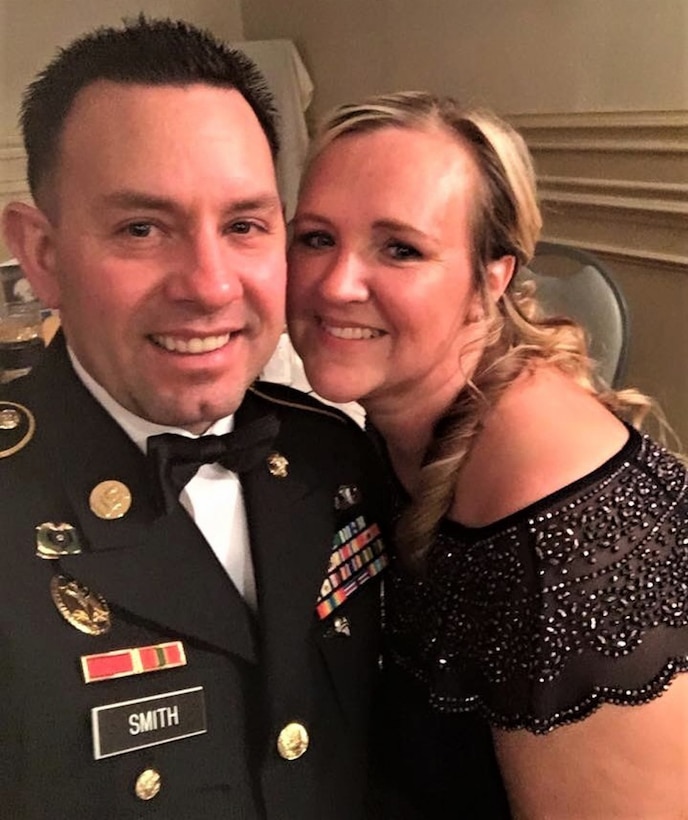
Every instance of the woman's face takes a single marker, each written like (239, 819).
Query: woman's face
(380, 289)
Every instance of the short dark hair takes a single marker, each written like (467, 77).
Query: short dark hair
(141, 52)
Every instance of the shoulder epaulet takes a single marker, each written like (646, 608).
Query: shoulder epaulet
(17, 426)
(290, 397)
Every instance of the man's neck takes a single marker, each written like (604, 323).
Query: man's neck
(137, 428)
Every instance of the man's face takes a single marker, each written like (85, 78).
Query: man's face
(167, 247)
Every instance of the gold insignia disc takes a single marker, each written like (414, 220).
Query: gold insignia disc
(79, 606)
(278, 464)
(53, 540)
(110, 499)
(17, 426)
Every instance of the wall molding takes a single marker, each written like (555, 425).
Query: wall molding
(626, 130)
(601, 119)
(12, 169)
(614, 182)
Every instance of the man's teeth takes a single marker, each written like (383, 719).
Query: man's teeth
(353, 332)
(198, 344)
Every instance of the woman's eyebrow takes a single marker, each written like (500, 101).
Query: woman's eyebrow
(399, 226)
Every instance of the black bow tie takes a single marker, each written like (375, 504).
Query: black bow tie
(174, 460)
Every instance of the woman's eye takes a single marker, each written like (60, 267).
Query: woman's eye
(315, 239)
(402, 251)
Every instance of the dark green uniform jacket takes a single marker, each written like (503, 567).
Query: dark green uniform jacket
(192, 728)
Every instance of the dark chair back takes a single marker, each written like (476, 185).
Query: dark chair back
(574, 283)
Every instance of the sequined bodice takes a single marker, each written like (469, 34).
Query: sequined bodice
(577, 600)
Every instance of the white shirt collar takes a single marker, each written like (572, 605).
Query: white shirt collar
(137, 428)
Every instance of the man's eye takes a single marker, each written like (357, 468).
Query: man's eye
(315, 239)
(140, 230)
(243, 227)
(402, 251)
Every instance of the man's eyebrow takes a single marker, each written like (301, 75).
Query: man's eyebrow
(262, 202)
(128, 199)
(138, 199)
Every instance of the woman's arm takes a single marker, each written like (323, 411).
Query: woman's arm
(620, 763)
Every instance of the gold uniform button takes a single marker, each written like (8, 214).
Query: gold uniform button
(292, 741)
(147, 784)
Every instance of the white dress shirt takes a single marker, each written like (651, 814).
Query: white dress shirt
(213, 498)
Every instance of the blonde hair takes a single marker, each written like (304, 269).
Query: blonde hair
(506, 221)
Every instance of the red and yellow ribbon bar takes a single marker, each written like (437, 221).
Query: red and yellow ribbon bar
(134, 661)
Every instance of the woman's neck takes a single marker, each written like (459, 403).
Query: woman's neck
(406, 447)
(406, 427)
(405, 417)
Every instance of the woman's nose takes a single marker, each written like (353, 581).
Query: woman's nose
(345, 278)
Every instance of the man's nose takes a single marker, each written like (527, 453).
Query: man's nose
(207, 272)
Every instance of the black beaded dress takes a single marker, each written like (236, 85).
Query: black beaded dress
(533, 622)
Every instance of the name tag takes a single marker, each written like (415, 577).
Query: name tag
(136, 724)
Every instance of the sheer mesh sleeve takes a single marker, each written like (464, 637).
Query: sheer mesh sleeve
(578, 600)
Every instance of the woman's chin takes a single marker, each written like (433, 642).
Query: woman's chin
(341, 388)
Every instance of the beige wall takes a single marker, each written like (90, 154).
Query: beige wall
(32, 30)
(517, 56)
(600, 90)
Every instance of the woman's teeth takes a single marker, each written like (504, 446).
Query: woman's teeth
(353, 332)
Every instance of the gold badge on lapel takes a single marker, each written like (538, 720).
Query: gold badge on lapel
(278, 465)
(110, 499)
(54, 540)
(84, 609)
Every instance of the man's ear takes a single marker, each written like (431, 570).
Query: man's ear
(499, 274)
(29, 236)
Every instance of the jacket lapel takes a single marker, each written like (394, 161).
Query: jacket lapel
(292, 524)
(158, 568)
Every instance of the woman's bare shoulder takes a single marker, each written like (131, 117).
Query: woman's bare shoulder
(544, 433)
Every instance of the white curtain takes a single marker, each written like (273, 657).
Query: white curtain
(289, 81)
